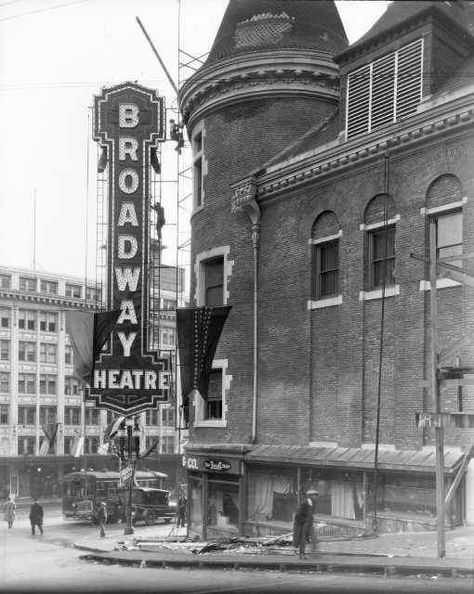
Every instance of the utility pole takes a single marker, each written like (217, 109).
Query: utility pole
(435, 395)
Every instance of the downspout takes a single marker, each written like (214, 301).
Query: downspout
(244, 200)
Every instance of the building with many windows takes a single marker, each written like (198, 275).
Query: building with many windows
(320, 169)
(39, 392)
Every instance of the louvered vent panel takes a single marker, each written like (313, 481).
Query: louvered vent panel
(358, 102)
(383, 92)
(409, 86)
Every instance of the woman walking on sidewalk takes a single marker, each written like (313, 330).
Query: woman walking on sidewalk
(9, 511)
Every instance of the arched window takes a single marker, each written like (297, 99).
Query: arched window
(325, 238)
(379, 224)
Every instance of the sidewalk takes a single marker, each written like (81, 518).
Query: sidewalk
(389, 554)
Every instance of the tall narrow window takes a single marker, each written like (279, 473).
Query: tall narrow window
(214, 281)
(325, 237)
(213, 403)
(326, 275)
(449, 238)
(4, 350)
(382, 257)
(197, 145)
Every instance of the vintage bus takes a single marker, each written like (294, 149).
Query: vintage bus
(84, 491)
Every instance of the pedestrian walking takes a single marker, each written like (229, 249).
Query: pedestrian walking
(9, 511)
(303, 529)
(36, 516)
(102, 518)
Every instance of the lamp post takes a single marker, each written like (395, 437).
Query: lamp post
(129, 449)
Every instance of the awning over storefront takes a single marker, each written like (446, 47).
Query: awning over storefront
(354, 458)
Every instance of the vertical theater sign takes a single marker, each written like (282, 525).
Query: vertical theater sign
(128, 377)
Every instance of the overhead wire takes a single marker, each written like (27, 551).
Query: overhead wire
(45, 9)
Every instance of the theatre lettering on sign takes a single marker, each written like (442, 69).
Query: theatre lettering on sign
(129, 377)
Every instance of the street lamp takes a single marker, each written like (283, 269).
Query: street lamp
(128, 436)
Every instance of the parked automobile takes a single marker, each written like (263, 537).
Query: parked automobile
(150, 504)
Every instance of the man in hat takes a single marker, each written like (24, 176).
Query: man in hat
(36, 516)
(102, 518)
(303, 529)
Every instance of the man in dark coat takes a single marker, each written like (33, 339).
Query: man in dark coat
(36, 516)
(303, 523)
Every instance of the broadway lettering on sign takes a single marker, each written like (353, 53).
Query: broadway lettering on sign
(129, 377)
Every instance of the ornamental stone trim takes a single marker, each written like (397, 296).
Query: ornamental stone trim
(300, 174)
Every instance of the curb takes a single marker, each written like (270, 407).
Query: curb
(320, 566)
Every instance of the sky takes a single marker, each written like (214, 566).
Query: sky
(55, 55)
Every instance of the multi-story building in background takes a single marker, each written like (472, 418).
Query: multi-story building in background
(38, 389)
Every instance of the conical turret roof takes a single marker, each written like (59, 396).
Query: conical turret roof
(250, 26)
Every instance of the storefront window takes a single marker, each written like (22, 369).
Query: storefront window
(272, 496)
(341, 494)
(222, 508)
(404, 496)
(195, 505)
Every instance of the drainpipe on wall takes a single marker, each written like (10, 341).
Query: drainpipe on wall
(244, 200)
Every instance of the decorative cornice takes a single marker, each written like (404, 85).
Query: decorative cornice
(277, 73)
(48, 300)
(330, 159)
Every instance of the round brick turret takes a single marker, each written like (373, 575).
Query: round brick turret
(268, 79)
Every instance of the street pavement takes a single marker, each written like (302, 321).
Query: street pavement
(389, 554)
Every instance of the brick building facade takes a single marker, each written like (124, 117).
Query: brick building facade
(318, 170)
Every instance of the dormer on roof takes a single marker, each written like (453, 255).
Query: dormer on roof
(410, 52)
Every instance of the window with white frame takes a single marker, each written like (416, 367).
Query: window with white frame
(92, 416)
(48, 353)
(4, 414)
(27, 283)
(152, 417)
(26, 445)
(167, 444)
(68, 354)
(4, 382)
(5, 281)
(4, 350)
(49, 287)
(48, 383)
(73, 290)
(26, 319)
(27, 383)
(72, 415)
(212, 408)
(168, 417)
(27, 351)
(384, 91)
(27, 415)
(72, 386)
(48, 415)
(449, 237)
(5, 318)
(198, 173)
(325, 236)
(381, 256)
(48, 321)
(214, 281)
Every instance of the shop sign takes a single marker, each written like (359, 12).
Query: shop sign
(210, 464)
(129, 377)
(217, 465)
(190, 463)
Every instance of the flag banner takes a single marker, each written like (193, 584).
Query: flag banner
(112, 428)
(103, 448)
(88, 333)
(199, 330)
(149, 449)
(50, 431)
(455, 273)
